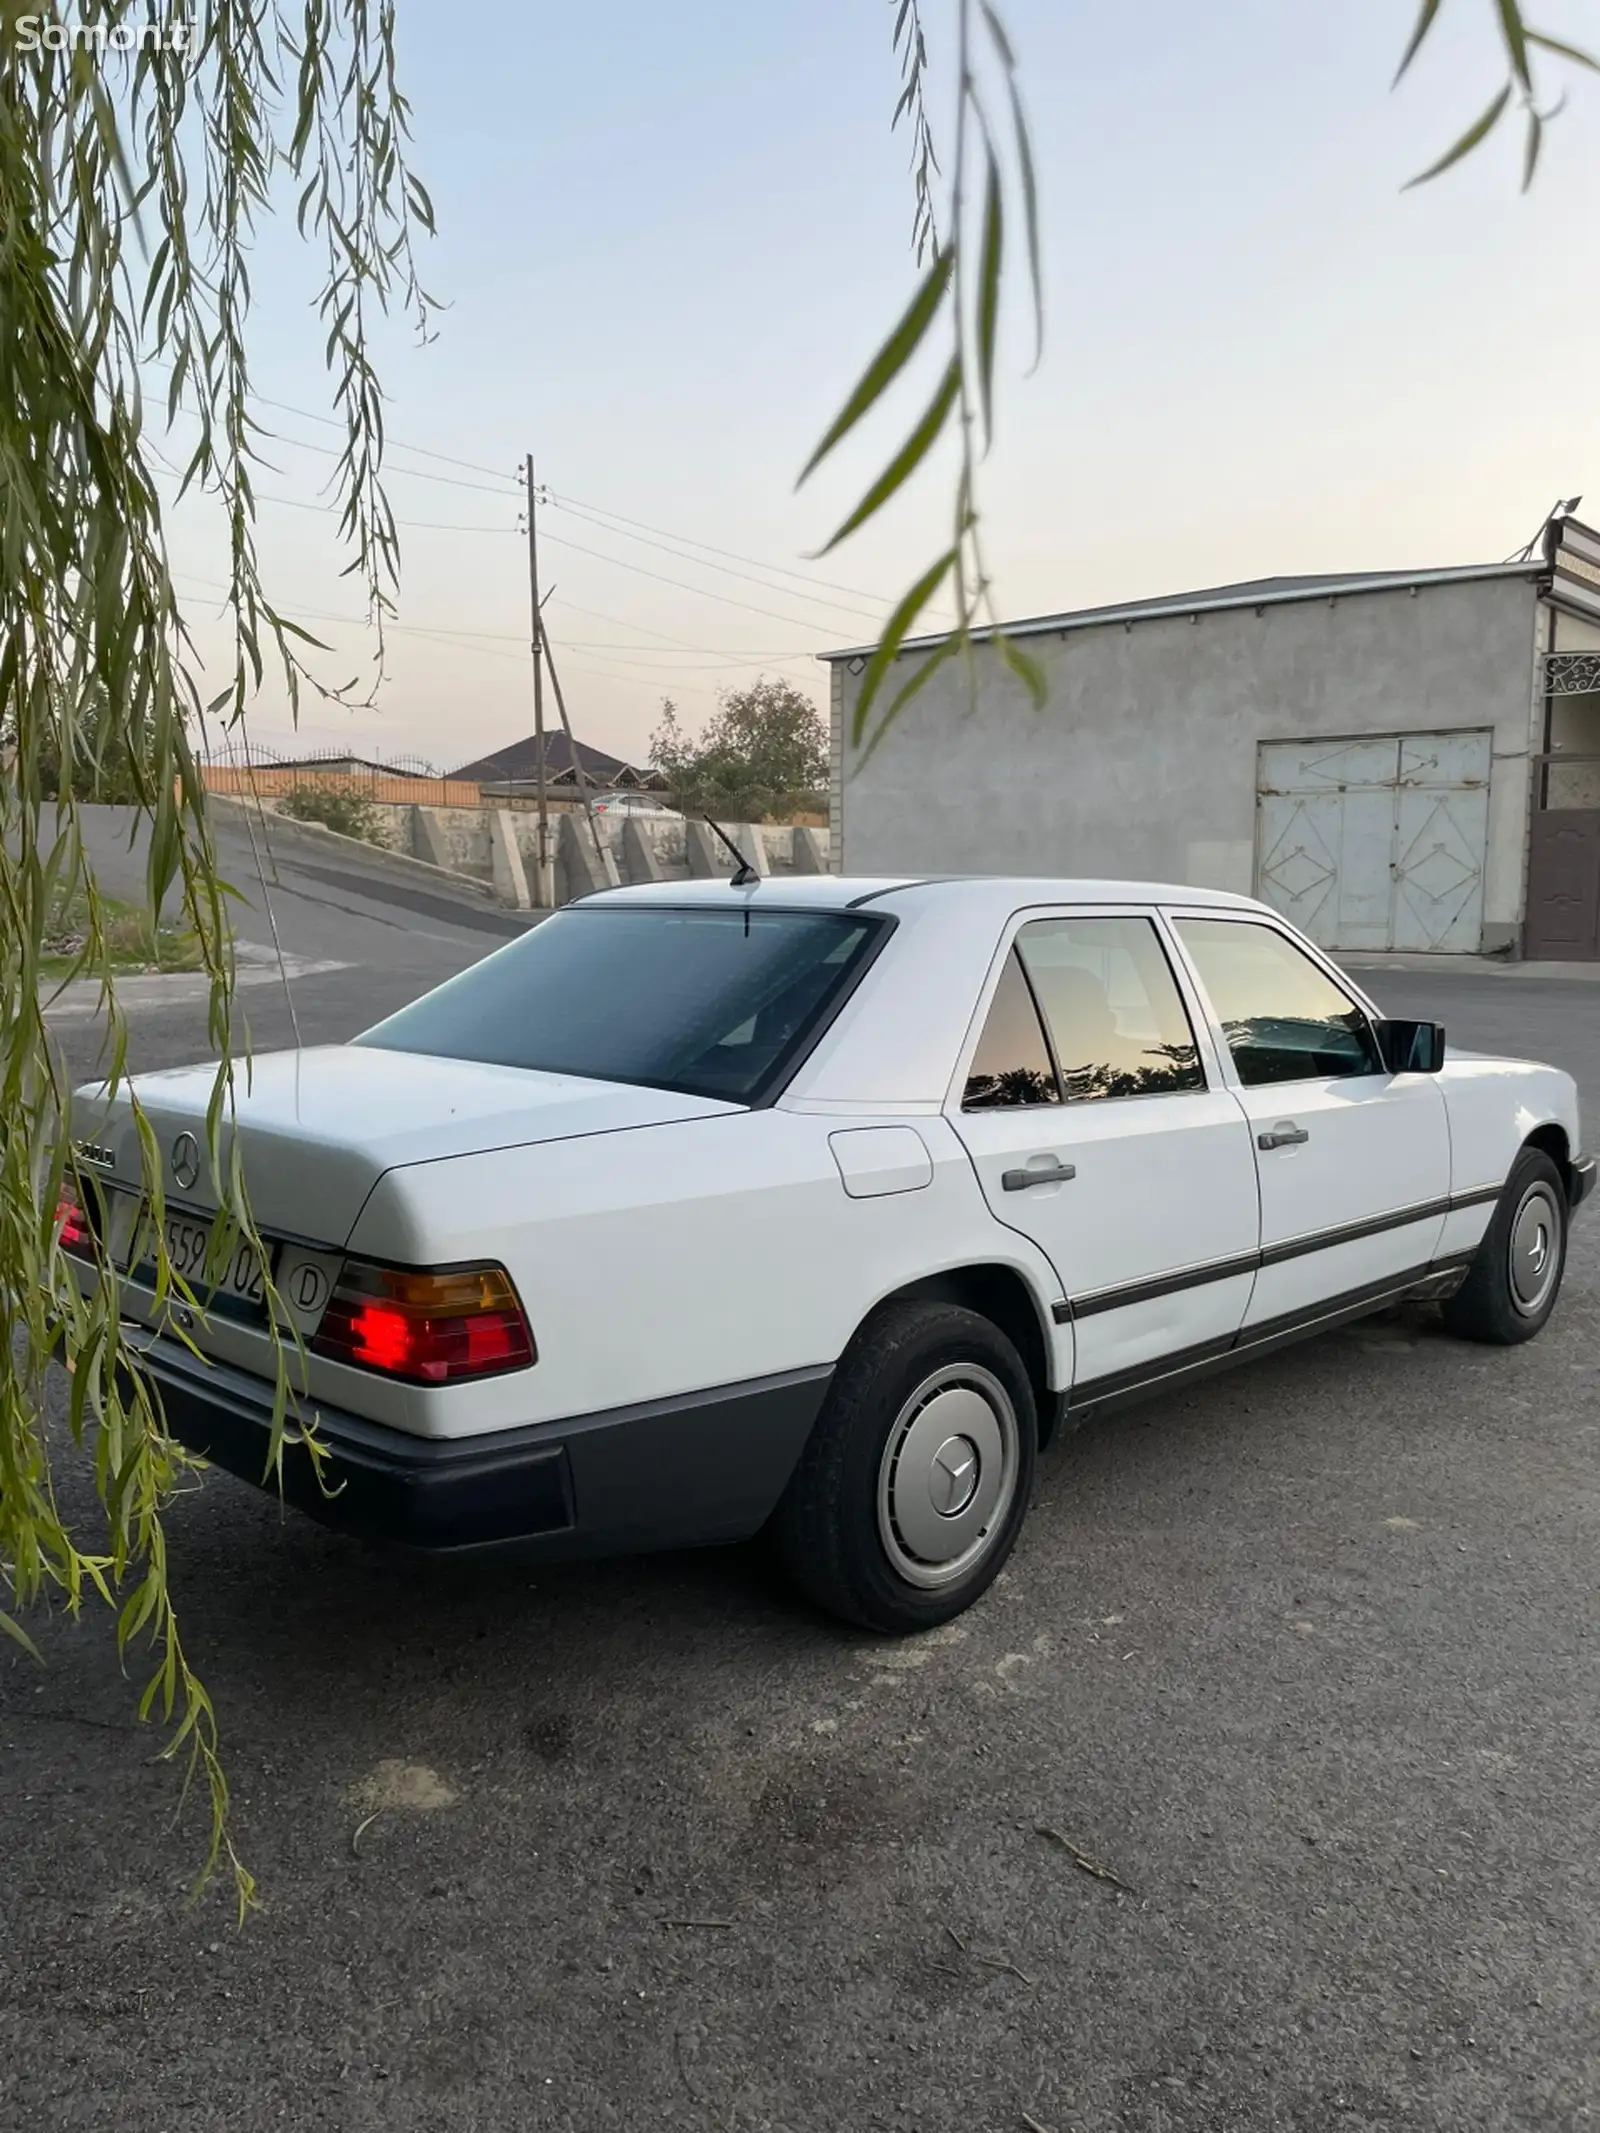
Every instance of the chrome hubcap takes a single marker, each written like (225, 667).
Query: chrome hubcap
(948, 1475)
(1535, 1254)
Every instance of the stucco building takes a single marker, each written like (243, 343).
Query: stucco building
(1395, 759)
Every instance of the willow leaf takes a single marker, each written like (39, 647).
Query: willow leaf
(1514, 31)
(1025, 667)
(909, 457)
(1477, 132)
(991, 260)
(1573, 52)
(1424, 23)
(896, 630)
(892, 358)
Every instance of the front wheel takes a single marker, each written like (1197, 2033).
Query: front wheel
(1516, 1275)
(909, 1495)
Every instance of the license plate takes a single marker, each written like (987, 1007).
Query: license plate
(238, 1278)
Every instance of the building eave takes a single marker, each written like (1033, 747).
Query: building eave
(1181, 605)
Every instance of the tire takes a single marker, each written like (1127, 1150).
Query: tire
(1516, 1275)
(916, 1479)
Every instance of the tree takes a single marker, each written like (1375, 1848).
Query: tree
(140, 149)
(763, 753)
(103, 769)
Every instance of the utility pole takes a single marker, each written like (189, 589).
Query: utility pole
(544, 892)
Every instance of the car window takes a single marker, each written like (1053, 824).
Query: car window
(1283, 1016)
(1111, 1006)
(1012, 1064)
(712, 1002)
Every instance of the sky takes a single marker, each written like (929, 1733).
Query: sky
(669, 237)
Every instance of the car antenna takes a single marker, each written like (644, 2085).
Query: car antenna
(744, 873)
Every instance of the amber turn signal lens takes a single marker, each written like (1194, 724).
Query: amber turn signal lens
(431, 1328)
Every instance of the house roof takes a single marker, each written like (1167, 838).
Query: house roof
(520, 760)
(1252, 592)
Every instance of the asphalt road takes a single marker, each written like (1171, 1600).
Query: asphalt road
(1305, 1658)
(328, 943)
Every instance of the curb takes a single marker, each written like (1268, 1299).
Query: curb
(1470, 966)
(144, 990)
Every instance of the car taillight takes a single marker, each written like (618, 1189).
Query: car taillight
(75, 1234)
(431, 1328)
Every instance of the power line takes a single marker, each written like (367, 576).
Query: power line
(597, 513)
(668, 548)
(688, 540)
(412, 525)
(701, 591)
(422, 451)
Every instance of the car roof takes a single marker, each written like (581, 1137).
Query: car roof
(988, 892)
(894, 1044)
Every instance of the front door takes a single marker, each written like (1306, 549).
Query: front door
(1564, 884)
(1354, 1162)
(1095, 1130)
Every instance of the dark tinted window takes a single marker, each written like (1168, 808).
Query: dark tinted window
(1012, 1063)
(1112, 1007)
(712, 1002)
(1283, 1017)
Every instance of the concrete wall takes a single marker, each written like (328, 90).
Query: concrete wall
(1143, 762)
(667, 840)
(460, 838)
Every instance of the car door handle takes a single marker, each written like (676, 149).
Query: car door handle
(1285, 1134)
(1054, 1172)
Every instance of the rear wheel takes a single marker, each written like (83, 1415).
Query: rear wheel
(916, 1479)
(1516, 1275)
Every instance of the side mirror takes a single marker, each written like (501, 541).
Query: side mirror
(1410, 1047)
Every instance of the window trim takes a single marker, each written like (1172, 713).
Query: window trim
(1054, 1103)
(1268, 922)
(1215, 1061)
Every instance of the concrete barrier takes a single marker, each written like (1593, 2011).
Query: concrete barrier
(494, 851)
(375, 858)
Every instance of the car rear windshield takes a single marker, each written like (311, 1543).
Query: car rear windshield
(714, 1003)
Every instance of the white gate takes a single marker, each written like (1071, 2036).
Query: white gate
(1376, 843)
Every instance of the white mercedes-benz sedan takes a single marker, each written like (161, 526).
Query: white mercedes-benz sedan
(816, 1205)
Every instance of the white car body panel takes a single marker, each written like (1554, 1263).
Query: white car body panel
(1378, 1145)
(318, 1128)
(724, 1249)
(1162, 1183)
(1493, 1105)
(671, 1248)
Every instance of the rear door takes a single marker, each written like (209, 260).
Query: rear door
(1354, 1162)
(1097, 1121)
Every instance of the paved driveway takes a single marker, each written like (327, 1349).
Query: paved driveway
(1305, 1659)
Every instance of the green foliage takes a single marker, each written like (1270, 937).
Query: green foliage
(350, 813)
(1520, 41)
(134, 175)
(764, 754)
(958, 297)
(105, 762)
(133, 941)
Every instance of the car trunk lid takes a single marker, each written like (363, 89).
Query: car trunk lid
(318, 1128)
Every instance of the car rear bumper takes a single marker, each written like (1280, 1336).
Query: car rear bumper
(1584, 1173)
(684, 1472)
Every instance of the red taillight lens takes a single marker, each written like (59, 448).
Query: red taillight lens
(75, 1233)
(430, 1328)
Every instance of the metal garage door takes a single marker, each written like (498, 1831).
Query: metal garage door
(1376, 843)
